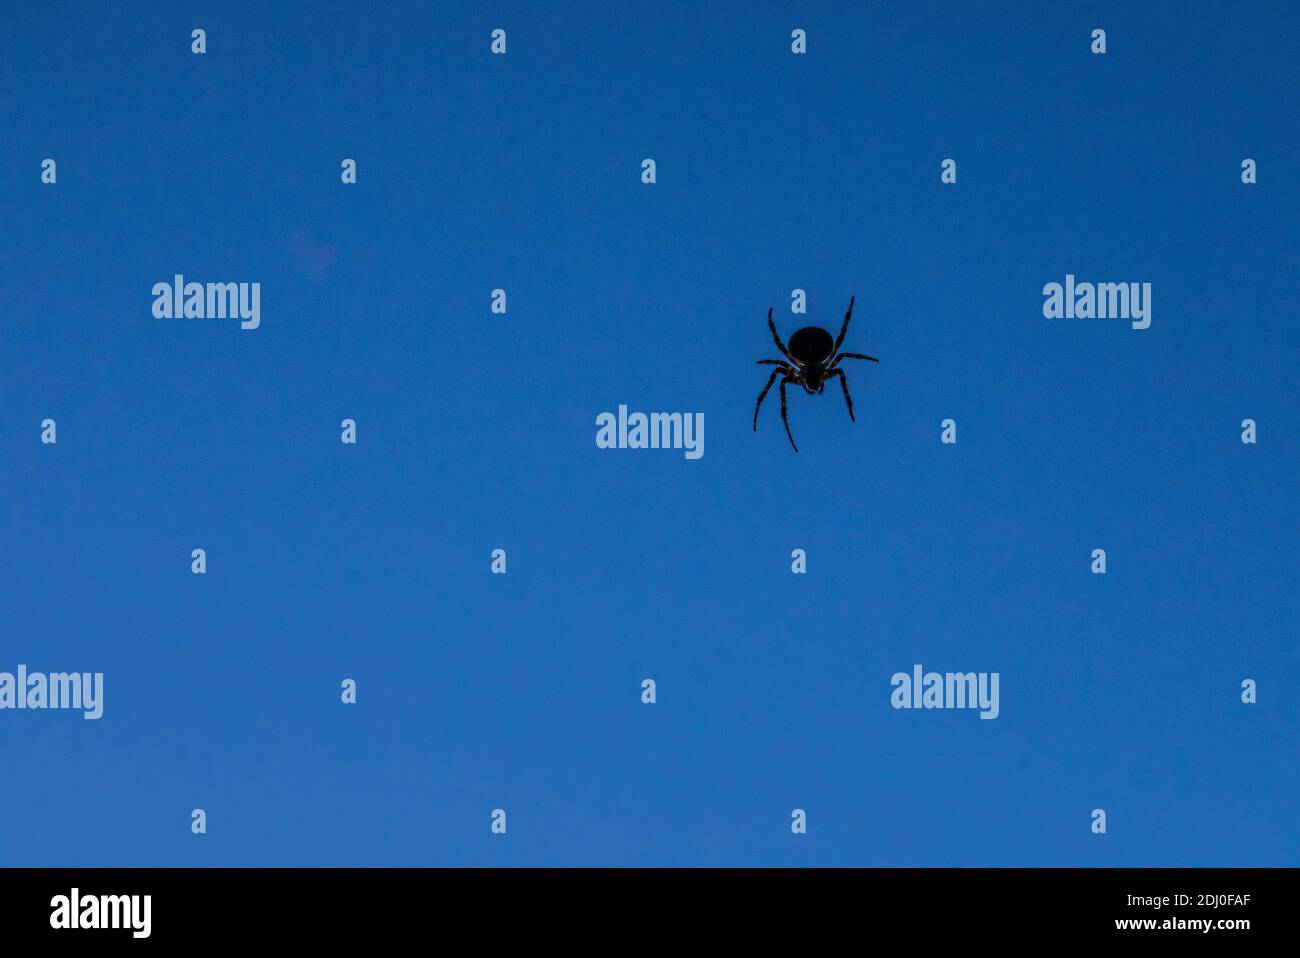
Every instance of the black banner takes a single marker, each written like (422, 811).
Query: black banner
(1149, 907)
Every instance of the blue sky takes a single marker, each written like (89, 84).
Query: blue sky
(476, 431)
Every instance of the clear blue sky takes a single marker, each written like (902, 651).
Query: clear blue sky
(476, 431)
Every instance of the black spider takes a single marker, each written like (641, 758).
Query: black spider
(813, 357)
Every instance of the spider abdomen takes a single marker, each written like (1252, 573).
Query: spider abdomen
(812, 344)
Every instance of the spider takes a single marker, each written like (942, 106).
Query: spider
(813, 358)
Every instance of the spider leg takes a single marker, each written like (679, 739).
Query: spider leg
(778, 362)
(845, 328)
(770, 379)
(844, 381)
(777, 336)
(784, 418)
(836, 360)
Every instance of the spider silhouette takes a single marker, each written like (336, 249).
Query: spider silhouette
(813, 358)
